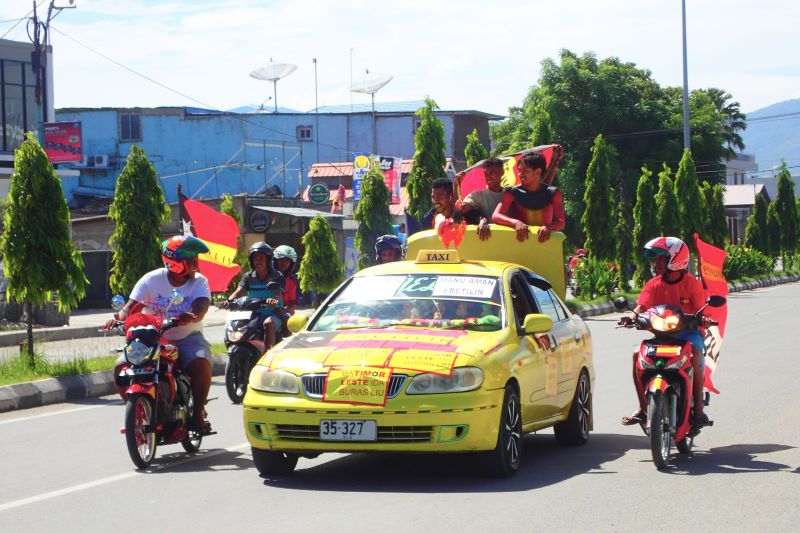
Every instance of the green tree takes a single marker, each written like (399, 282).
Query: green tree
(645, 225)
(138, 210)
(667, 204)
(756, 234)
(598, 218)
(786, 208)
(717, 219)
(474, 151)
(321, 269)
(623, 244)
(773, 231)
(692, 208)
(372, 215)
(39, 257)
(734, 120)
(240, 259)
(429, 160)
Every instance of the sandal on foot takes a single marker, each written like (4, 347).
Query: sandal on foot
(637, 417)
(202, 429)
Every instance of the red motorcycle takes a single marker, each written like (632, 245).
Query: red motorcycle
(664, 371)
(159, 400)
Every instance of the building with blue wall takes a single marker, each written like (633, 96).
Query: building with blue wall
(246, 151)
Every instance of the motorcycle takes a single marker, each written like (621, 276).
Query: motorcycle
(244, 341)
(159, 401)
(664, 371)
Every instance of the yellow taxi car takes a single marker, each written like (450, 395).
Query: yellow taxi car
(451, 351)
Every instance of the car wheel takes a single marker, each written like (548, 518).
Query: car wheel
(506, 457)
(269, 463)
(574, 431)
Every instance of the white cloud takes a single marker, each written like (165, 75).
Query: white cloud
(466, 54)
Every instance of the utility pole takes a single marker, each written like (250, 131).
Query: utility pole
(316, 110)
(686, 135)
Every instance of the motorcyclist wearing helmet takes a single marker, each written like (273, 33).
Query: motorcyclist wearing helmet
(263, 281)
(672, 285)
(194, 353)
(285, 261)
(388, 249)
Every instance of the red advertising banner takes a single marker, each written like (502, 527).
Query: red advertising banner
(63, 142)
(391, 167)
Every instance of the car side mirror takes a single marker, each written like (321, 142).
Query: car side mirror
(536, 323)
(297, 323)
(621, 303)
(716, 301)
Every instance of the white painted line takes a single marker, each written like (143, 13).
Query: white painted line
(53, 413)
(113, 479)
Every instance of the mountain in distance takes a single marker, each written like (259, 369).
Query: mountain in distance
(776, 138)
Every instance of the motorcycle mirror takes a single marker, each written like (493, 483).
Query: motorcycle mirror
(117, 302)
(716, 301)
(175, 297)
(621, 303)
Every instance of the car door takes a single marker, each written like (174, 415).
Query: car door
(565, 351)
(528, 364)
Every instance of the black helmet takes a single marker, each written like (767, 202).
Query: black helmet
(386, 242)
(263, 248)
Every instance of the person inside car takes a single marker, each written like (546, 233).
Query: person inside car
(388, 249)
(484, 201)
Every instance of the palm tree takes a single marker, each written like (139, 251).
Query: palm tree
(735, 120)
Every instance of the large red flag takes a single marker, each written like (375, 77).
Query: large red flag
(473, 179)
(220, 232)
(710, 262)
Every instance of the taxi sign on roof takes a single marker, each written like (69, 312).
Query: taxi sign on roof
(438, 257)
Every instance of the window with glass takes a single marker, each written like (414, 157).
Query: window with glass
(129, 127)
(305, 133)
(441, 301)
(18, 107)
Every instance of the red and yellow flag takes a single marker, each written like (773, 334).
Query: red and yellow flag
(220, 232)
(473, 176)
(710, 262)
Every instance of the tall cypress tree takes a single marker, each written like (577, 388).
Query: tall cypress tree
(756, 234)
(717, 219)
(598, 217)
(623, 243)
(773, 231)
(667, 204)
(39, 256)
(785, 206)
(692, 207)
(138, 209)
(429, 160)
(645, 225)
(321, 270)
(372, 215)
(474, 151)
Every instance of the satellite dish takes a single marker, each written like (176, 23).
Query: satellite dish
(273, 72)
(370, 83)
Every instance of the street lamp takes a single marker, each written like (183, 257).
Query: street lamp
(370, 84)
(686, 136)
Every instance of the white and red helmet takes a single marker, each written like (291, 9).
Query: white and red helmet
(674, 248)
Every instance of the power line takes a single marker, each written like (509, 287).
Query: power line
(20, 20)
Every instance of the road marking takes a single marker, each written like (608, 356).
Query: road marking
(113, 479)
(53, 413)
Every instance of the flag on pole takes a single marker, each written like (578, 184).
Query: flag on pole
(473, 179)
(220, 232)
(710, 262)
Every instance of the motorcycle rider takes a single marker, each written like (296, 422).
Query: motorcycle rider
(285, 260)
(257, 284)
(672, 284)
(388, 249)
(194, 353)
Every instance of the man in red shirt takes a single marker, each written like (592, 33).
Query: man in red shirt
(672, 285)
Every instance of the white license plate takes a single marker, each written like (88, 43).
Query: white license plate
(345, 430)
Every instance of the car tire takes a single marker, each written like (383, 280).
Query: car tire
(505, 459)
(269, 463)
(574, 431)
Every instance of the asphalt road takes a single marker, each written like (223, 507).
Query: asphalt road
(65, 467)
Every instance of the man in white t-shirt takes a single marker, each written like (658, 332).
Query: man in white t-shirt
(153, 289)
(484, 201)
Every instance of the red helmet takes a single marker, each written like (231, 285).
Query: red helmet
(674, 248)
(581, 252)
(178, 249)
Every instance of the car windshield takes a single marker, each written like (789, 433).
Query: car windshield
(442, 301)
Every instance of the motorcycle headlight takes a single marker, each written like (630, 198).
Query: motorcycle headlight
(677, 364)
(461, 380)
(669, 323)
(646, 364)
(137, 352)
(234, 336)
(264, 379)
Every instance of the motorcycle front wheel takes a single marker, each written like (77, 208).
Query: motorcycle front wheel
(660, 437)
(141, 444)
(236, 374)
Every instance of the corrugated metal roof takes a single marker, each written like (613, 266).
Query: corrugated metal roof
(743, 195)
(345, 168)
(299, 212)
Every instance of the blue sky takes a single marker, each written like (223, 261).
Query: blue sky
(466, 54)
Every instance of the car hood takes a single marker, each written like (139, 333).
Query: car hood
(409, 350)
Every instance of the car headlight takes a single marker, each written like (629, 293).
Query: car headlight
(233, 335)
(461, 380)
(264, 379)
(669, 323)
(137, 352)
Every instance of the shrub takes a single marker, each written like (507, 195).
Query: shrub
(595, 278)
(744, 262)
